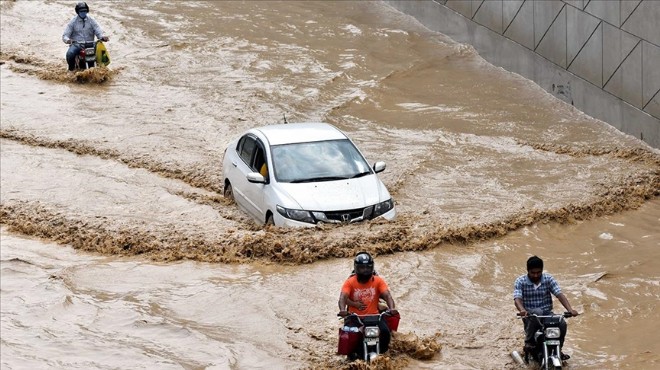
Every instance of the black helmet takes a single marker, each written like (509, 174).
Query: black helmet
(363, 266)
(82, 7)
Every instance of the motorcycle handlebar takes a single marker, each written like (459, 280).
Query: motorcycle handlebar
(565, 314)
(353, 314)
(73, 42)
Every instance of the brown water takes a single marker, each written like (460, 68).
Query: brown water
(118, 250)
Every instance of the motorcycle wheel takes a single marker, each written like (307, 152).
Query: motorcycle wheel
(80, 65)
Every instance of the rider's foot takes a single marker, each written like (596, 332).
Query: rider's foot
(564, 356)
(527, 352)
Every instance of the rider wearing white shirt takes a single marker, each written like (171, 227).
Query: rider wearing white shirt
(81, 29)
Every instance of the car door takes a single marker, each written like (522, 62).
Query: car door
(255, 192)
(249, 195)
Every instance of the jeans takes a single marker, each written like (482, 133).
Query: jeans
(531, 326)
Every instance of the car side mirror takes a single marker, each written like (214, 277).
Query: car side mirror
(256, 177)
(379, 167)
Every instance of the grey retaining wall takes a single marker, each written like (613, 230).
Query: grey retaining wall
(602, 56)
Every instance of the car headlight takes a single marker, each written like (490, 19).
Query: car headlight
(371, 331)
(383, 207)
(296, 214)
(552, 333)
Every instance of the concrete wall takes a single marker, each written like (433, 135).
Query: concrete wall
(602, 56)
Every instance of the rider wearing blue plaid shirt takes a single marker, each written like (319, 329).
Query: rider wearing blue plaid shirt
(532, 294)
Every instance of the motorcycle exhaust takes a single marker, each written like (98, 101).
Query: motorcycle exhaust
(517, 358)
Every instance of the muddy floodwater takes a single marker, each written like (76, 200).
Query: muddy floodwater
(118, 249)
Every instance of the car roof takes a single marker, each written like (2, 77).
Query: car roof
(290, 133)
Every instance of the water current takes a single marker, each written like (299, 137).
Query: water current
(119, 251)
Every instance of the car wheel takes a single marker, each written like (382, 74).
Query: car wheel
(229, 192)
(269, 220)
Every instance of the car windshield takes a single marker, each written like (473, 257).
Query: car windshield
(318, 161)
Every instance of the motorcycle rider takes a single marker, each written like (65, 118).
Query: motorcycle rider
(360, 294)
(531, 294)
(80, 28)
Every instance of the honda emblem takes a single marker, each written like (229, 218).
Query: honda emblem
(345, 217)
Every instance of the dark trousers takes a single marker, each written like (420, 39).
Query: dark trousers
(531, 325)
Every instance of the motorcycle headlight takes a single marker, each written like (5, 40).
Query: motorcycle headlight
(296, 214)
(552, 333)
(371, 331)
(383, 207)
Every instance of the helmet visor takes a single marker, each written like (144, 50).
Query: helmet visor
(364, 269)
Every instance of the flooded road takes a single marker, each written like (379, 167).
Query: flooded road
(119, 251)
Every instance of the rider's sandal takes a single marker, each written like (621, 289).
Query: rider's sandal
(564, 356)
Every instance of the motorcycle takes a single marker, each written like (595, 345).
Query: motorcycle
(86, 58)
(547, 351)
(364, 331)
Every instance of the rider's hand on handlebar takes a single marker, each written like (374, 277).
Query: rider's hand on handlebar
(522, 313)
(105, 38)
(573, 312)
(343, 313)
(393, 311)
(68, 42)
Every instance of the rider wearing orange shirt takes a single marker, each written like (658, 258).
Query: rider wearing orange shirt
(361, 292)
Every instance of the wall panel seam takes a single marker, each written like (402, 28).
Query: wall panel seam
(477, 11)
(514, 17)
(549, 27)
(631, 13)
(622, 61)
(585, 44)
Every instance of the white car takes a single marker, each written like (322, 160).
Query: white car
(301, 174)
